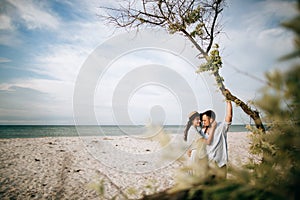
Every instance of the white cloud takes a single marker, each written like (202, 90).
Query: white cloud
(277, 40)
(6, 23)
(4, 60)
(268, 13)
(255, 44)
(280, 8)
(36, 99)
(31, 14)
(28, 106)
(75, 41)
(60, 62)
(11, 39)
(35, 14)
(85, 34)
(61, 89)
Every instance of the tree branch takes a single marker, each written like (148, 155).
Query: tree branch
(194, 43)
(212, 30)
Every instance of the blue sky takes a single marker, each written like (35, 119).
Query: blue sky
(43, 45)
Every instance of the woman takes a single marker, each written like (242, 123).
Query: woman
(197, 148)
(197, 141)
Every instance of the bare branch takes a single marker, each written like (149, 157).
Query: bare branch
(173, 15)
(217, 11)
(194, 42)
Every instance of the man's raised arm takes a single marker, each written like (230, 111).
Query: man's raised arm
(228, 117)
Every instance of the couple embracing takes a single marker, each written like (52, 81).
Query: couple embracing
(207, 141)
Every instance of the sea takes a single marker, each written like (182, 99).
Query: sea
(36, 131)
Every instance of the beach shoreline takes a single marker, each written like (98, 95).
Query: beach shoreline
(74, 167)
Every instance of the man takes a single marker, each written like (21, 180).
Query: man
(217, 143)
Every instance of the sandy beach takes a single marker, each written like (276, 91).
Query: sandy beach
(76, 168)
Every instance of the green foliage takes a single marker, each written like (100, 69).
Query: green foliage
(132, 191)
(192, 16)
(193, 19)
(214, 61)
(213, 64)
(198, 30)
(279, 171)
(175, 27)
(98, 187)
(234, 190)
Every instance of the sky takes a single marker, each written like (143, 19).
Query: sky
(46, 45)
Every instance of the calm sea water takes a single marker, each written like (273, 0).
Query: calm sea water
(33, 131)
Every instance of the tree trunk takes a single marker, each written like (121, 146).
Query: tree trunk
(252, 113)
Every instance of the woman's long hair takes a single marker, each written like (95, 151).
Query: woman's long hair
(188, 125)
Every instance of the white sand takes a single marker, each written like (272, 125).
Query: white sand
(71, 167)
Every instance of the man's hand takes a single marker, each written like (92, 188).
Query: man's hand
(189, 153)
(213, 125)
